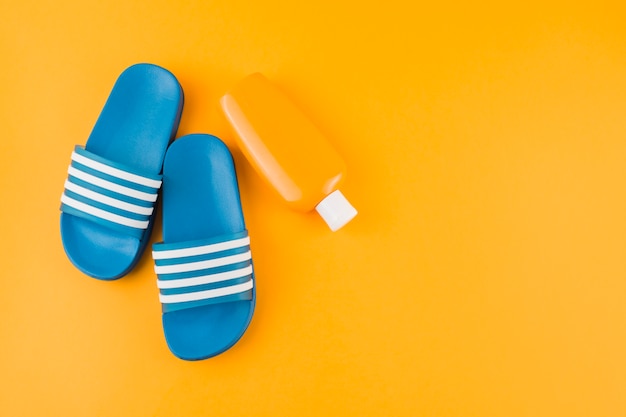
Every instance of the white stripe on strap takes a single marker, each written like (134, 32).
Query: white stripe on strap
(99, 166)
(201, 250)
(205, 279)
(114, 202)
(202, 295)
(111, 185)
(115, 218)
(195, 266)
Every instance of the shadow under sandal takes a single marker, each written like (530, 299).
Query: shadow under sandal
(113, 181)
(204, 264)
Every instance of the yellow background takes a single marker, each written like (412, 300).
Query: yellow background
(484, 276)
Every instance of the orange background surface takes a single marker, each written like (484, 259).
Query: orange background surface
(484, 276)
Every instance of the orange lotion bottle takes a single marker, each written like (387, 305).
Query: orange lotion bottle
(287, 150)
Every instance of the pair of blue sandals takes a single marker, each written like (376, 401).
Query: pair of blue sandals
(203, 265)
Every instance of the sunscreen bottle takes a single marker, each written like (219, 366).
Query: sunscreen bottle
(287, 150)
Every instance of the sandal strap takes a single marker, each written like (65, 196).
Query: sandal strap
(109, 193)
(202, 272)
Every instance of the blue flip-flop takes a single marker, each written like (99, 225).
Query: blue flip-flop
(113, 181)
(204, 265)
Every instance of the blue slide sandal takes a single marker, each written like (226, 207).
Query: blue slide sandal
(113, 181)
(204, 265)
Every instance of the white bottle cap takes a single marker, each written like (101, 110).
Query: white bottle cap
(336, 210)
